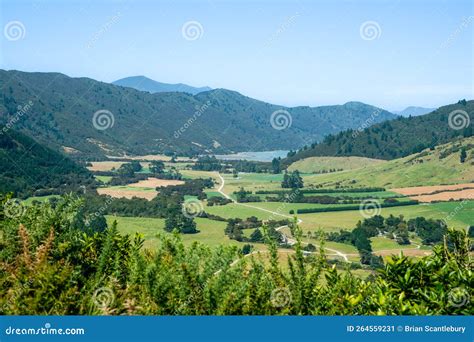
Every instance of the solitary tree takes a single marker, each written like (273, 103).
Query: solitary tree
(276, 166)
(157, 166)
(463, 155)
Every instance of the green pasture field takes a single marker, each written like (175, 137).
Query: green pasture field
(103, 179)
(318, 164)
(427, 168)
(212, 193)
(333, 221)
(252, 182)
(30, 200)
(211, 232)
(193, 174)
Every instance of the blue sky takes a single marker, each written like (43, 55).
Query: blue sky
(284, 52)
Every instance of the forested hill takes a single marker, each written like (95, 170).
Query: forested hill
(62, 111)
(26, 167)
(397, 138)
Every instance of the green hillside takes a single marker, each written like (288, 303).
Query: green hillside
(27, 168)
(397, 138)
(326, 164)
(62, 112)
(429, 167)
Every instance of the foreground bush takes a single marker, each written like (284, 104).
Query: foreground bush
(52, 262)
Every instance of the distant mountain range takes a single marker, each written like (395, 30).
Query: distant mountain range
(143, 83)
(414, 111)
(397, 138)
(89, 119)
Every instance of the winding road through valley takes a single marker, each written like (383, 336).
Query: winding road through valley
(290, 240)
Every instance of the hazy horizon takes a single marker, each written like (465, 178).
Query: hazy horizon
(394, 55)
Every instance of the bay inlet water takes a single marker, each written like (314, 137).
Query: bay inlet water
(263, 156)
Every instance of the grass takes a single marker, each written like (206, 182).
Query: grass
(383, 243)
(103, 179)
(318, 164)
(211, 193)
(210, 233)
(333, 221)
(192, 174)
(30, 200)
(420, 169)
(252, 181)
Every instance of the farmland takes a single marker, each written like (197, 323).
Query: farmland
(318, 183)
(440, 166)
(326, 164)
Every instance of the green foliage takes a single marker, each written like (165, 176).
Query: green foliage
(292, 180)
(392, 139)
(177, 221)
(60, 120)
(50, 266)
(28, 168)
(276, 167)
(354, 207)
(462, 155)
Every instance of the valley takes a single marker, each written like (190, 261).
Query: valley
(236, 160)
(344, 181)
(348, 203)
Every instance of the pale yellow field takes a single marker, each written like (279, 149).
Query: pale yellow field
(153, 183)
(318, 164)
(123, 192)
